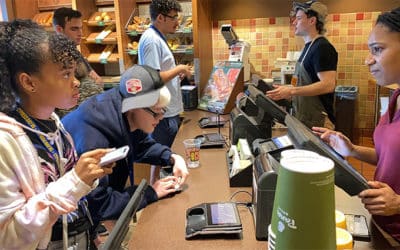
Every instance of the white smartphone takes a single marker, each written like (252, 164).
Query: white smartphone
(114, 155)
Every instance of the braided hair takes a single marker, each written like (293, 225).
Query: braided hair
(26, 46)
(390, 19)
(158, 7)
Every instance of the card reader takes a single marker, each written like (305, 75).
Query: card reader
(213, 219)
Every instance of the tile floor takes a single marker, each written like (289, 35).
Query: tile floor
(367, 170)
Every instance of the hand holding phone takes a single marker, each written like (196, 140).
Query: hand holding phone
(114, 156)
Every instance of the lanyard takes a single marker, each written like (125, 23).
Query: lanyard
(305, 54)
(42, 138)
(160, 34)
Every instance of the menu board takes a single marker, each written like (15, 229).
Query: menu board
(223, 78)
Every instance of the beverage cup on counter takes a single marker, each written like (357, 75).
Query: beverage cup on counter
(303, 214)
(192, 152)
(297, 152)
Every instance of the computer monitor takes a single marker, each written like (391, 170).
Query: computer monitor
(346, 177)
(245, 126)
(118, 233)
(268, 109)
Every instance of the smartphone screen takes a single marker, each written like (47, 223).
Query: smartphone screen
(357, 225)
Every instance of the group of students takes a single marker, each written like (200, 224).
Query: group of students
(53, 190)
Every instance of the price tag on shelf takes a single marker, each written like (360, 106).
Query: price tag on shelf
(133, 33)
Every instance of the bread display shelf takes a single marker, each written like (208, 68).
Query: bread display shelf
(110, 39)
(44, 19)
(95, 58)
(100, 23)
(52, 4)
(183, 49)
(101, 18)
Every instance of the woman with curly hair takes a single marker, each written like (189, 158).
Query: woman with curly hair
(42, 181)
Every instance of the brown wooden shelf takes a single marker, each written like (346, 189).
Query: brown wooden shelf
(52, 4)
(110, 39)
(100, 23)
(104, 2)
(94, 58)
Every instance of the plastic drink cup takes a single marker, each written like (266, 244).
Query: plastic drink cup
(192, 152)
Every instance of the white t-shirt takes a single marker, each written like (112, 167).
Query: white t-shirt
(154, 52)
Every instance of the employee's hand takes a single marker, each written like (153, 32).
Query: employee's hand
(380, 199)
(180, 169)
(336, 140)
(184, 71)
(280, 92)
(88, 168)
(165, 186)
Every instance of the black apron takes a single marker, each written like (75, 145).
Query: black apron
(308, 109)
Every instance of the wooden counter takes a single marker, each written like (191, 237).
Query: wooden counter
(161, 225)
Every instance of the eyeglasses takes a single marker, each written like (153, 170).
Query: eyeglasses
(174, 18)
(155, 114)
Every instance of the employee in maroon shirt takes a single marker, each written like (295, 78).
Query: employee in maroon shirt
(382, 200)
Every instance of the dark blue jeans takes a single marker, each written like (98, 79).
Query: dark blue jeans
(166, 130)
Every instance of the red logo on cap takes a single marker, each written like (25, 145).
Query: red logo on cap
(133, 86)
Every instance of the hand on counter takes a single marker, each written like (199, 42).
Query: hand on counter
(180, 169)
(165, 186)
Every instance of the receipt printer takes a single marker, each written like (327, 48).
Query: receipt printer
(265, 175)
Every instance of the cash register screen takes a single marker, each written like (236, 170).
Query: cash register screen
(346, 177)
(267, 105)
(222, 213)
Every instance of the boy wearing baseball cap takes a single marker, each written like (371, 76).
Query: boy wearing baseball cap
(125, 115)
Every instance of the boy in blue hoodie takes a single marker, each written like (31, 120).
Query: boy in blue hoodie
(126, 115)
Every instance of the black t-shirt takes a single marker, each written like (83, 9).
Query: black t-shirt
(322, 56)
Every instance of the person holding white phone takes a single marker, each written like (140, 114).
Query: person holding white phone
(126, 115)
(43, 183)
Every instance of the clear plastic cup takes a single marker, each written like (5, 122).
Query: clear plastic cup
(192, 151)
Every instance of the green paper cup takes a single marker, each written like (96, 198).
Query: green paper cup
(303, 216)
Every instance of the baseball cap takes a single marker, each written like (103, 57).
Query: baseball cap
(313, 5)
(140, 87)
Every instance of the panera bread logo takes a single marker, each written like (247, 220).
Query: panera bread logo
(284, 218)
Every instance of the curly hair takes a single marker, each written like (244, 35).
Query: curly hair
(158, 7)
(390, 19)
(26, 47)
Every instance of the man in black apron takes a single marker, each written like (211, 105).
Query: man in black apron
(314, 79)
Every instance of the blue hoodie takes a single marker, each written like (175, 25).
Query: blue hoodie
(99, 123)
